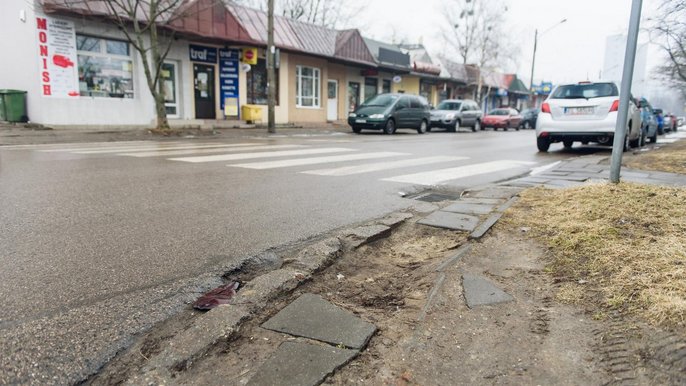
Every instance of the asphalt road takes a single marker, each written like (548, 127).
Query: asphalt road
(96, 246)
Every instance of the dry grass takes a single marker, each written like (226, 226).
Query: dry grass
(620, 247)
(670, 158)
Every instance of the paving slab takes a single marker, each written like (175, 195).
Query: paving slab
(300, 364)
(492, 201)
(312, 317)
(481, 230)
(448, 220)
(479, 292)
(495, 192)
(469, 208)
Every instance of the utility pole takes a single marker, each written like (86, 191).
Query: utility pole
(625, 91)
(533, 62)
(271, 50)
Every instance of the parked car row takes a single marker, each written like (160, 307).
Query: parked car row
(389, 112)
(588, 111)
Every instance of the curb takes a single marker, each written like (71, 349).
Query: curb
(222, 323)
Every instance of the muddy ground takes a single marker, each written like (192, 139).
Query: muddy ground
(532, 340)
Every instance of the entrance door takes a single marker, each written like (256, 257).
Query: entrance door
(353, 95)
(332, 104)
(205, 104)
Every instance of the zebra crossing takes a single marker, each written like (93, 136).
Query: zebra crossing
(314, 156)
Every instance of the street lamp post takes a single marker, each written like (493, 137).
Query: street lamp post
(533, 60)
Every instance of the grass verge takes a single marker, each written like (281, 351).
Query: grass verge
(670, 158)
(613, 247)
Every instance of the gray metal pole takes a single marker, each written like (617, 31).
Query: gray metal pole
(533, 63)
(625, 92)
(271, 75)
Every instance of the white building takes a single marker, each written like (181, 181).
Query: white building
(613, 65)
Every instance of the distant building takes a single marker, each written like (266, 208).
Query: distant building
(613, 65)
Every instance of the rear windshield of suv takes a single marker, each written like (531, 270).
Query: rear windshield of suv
(585, 91)
(448, 106)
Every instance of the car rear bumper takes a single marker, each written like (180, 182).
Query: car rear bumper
(606, 126)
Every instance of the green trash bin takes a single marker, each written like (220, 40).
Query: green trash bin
(13, 106)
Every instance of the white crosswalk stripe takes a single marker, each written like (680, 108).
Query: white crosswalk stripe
(439, 176)
(379, 166)
(153, 148)
(270, 154)
(316, 160)
(144, 154)
(159, 145)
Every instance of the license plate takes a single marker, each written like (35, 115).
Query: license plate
(360, 121)
(579, 110)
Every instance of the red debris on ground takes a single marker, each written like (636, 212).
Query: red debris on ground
(216, 297)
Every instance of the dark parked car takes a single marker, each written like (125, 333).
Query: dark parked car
(648, 120)
(502, 118)
(389, 112)
(452, 114)
(529, 117)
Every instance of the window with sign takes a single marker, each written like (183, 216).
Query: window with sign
(105, 67)
(256, 82)
(307, 86)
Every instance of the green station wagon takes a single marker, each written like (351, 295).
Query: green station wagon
(389, 112)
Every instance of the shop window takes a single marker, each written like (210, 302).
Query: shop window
(256, 81)
(425, 90)
(386, 86)
(105, 67)
(371, 87)
(307, 86)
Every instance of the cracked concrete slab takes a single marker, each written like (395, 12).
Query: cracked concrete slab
(300, 364)
(448, 220)
(479, 292)
(469, 208)
(310, 316)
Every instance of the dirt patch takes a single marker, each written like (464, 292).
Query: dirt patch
(669, 158)
(619, 247)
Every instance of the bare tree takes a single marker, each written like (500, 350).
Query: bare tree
(670, 30)
(474, 33)
(326, 13)
(144, 24)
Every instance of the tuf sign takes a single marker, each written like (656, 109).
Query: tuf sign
(57, 58)
(249, 55)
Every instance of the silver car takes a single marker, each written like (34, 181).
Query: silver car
(451, 114)
(585, 112)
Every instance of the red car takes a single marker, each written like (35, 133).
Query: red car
(502, 118)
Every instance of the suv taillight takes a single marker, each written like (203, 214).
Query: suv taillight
(545, 108)
(615, 106)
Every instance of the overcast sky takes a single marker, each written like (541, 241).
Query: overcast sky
(570, 52)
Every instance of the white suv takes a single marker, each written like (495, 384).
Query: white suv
(585, 112)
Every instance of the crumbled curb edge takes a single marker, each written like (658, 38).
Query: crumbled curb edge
(223, 322)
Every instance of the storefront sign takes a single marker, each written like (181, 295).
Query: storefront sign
(250, 55)
(397, 79)
(202, 54)
(57, 58)
(228, 81)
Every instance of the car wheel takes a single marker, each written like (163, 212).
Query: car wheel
(422, 127)
(642, 139)
(653, 139)
(527, 125)
(477, 126)
(357, 129)
(627, 143)
(568, 144)
(455, 127)
(543, 144)
(390, 127)
(517, 127)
